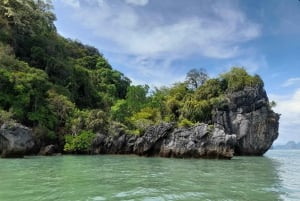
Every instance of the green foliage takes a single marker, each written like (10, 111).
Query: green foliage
(110, 81)
(26, 20)
(136, 97)
(210, 89)
(120, 111)
(145, 118)
(185, 123)
(44, 134)
(80, 143)
(5, 116)
(60, 106)
(197, 111)
(210, 128)
(95, 120)
(175, 98)
(238, 79)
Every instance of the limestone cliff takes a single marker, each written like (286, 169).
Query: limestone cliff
(16, 140)
(243, 125)
(166, 140)
(247, 114)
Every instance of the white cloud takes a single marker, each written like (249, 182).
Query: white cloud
(289, 108)
(217, 30)
(291, 81)
(154, 72)
(137, 2)
(72, 3)
(251, 64)
(216, 35)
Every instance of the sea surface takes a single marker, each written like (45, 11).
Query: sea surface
(276, 176)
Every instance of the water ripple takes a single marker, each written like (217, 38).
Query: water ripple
(275, 177)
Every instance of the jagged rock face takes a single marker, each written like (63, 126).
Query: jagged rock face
(117, 144)
(15, 140)
(167, 141)
(248, 115)
(150, 143)
(198, 142)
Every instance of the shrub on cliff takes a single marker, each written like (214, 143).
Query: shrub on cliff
(238, 78)
(80, 143)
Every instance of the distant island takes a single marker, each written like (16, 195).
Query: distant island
(288, 145)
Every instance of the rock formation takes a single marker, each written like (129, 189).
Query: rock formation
(15, 140)
(199, 141)
(248, 115)
(167, 141)
(243, 125)
(49, 150)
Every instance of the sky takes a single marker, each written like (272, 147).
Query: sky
(156, 42)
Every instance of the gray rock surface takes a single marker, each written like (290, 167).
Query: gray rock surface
(248, 115)
(244, 125)
(150, 143)
(167, 141)
(49, 150)
(16, 140)
(198, 142)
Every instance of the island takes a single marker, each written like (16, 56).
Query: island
(58, 95)
(288, 145)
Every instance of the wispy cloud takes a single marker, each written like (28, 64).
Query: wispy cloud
(137, 2)
(73, 3)
(289, 108)
(133, 30)
(216, 35)
(251, 64)
(291, 81)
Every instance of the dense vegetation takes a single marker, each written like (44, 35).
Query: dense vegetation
(67, 91)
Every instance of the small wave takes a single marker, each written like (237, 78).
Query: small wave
(137, 191)
(97, 198)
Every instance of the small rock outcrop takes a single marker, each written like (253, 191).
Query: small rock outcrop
(150, 143)
(117, 144)
(16, 140)
(167, 141)
(248, 115)
(49, 150)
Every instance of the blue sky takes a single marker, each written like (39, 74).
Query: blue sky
(156, 42)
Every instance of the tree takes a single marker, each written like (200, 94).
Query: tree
(144, 118)
(26, 19)
(238, 78)
(120, 111)
(136, 97)
(60, 106)
(196, 77)
(210, 89)
(272, 104)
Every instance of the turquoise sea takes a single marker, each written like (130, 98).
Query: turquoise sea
(276, 176)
